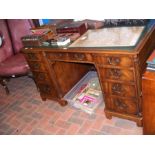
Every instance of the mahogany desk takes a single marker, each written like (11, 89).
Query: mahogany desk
(118, 55)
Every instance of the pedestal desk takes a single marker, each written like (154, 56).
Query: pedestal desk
(118, 54)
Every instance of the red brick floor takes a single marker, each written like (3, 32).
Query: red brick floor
(24, 113)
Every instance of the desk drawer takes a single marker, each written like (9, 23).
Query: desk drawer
(79, 56)
(114, 60)
(41, 76)
(69, 56)
(119, 89)
(57, 56)
(36, 66)
(126, 106)
(116, 74)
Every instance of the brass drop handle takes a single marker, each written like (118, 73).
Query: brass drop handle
(41, 76)
(60, 55)
(113, 60)
(109, 60)
(36, 66)
(119, 103)
(45, 88)
(117, 88)
(32, 56)
(79, 56)
(115, 72)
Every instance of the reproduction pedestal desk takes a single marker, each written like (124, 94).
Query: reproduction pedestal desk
(119, 56)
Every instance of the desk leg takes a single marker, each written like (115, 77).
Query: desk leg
(43, 98)
(108, 115)
(60, 101)
(139, 123)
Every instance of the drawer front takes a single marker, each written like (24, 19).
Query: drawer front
(120, 105)
(79, 56)
(36, 66)
(116, 74)
(121, 89)
(114, 60)
(47, 89)
(40, 76)
(57, 56)
(33, 56)
(69, 56)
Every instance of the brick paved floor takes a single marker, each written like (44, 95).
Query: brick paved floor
(24, 113)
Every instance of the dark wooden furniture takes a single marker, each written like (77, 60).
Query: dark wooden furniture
(148, 108)
(120, 70)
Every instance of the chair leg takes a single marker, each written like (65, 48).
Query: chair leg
(4, 82)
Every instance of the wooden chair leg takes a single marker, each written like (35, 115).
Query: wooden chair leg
(4, 82)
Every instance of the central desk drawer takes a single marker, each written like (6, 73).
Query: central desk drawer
(117, 74)
(70, 56)
(57, 56)
(77, 56)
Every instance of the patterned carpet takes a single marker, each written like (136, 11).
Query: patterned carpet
(24, 113)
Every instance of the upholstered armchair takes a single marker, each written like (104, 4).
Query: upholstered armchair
(12, 62)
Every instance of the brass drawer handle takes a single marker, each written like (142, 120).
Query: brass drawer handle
(36, 66)
(113, 60)
(41, 76)
(79, 56)
(117, 88)
(60, 54)
(119, 103)
(32, 56)
(115, 72)
(45, 88)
